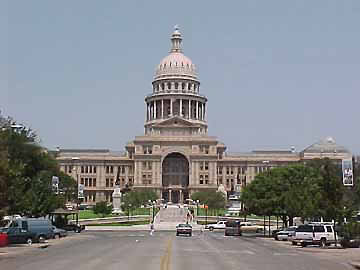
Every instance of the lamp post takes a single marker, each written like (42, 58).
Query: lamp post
(206, 213)
(197, 208)
(154, 204)
(74, 169)
(129, 207)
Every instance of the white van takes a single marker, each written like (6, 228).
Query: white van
(314, 234)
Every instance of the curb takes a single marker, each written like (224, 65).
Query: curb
(356, 265)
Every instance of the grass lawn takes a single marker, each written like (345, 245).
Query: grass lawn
(130, 223)
(87, 214)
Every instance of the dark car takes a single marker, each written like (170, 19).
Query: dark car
(17, 235)
(41, 228)
(58, 233)
(233, 228)
(183, 229)
(73, 227)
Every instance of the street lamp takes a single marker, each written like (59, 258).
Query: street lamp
(129, 207)
(206, 213)
(197, 208)
(74, 159)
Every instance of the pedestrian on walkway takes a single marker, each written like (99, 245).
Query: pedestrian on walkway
(152, 228)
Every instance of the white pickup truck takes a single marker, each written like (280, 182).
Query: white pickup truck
(218, 225)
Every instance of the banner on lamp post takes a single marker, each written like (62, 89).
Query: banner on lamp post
(81, 191)
(55, 184)
(347, 170)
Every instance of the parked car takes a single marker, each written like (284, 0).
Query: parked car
(250, 227)
(218, 225)
(58, 233)
(285, 234)
(233, 228)
(73, 227)
(183, 229)
(314, 234)
(17, 235)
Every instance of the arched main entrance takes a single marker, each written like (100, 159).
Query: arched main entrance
(175, 178)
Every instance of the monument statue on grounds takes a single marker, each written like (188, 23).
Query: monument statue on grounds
(116, 196)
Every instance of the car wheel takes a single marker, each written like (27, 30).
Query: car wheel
(57, 236)
(41, 239)
(190, 234)
(303, 244)
(211, 229)
(323, 242)
(177, 234)
(293, 243)
(29, 241)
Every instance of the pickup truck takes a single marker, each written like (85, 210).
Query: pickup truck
(219, 225)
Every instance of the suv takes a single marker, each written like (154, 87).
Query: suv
(314, 234)
(233, 228)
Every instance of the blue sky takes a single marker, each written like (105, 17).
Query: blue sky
(277, 73)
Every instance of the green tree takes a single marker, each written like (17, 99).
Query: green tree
(285, 191)
(102, 208)
(136, 198)
(213, 199)
(26, 170)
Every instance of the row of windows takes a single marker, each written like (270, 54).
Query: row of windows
(88, 182)
(88, 169)
(204, 179)
(121, 169)
(89, 196)
(204, 166)
(231, 169)
(177, 86)
(147, 149)
(232, 181)
(261, 169)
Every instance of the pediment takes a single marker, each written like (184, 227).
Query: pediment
(176, 121)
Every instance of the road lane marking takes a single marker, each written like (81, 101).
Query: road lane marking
(166, 258)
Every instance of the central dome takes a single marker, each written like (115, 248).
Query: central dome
(176, 64)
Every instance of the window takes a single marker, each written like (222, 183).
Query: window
(206, 165)
(329, 229)
(201, 166)
(111, 182)
(70, 169)
(111, 169)
(90, 182)
(206, 179)
(86, 169)
(122, 169)
(319, 229)
(82, 169)
(220, 170)
(107, 169)
(91, 169)
(162, 86)
(94, 182)
(82, 181)
(176, 86)
(169, 86)
(147, 149)
(231, 170)
(227, 170)
(201, 179)
(183, 86)
(107, 182)
(86, 182)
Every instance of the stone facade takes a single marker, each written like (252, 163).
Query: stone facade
(176, 156)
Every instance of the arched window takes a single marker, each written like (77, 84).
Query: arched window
(176, 85)
(189, 86)
(169, 86)
(183, 86)
(162, 86)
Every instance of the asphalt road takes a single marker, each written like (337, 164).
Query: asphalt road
(164, 251)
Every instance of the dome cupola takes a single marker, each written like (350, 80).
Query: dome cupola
(176, 64)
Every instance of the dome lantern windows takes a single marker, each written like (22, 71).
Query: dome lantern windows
(176, 86)
(169, 86)
(183, 86)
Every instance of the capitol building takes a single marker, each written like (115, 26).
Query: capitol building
(176, 156)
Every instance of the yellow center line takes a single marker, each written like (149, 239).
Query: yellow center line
(166, 258)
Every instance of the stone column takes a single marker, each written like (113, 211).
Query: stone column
(181, 112)
(204, 112)
(197, 109)
(154, 109)
(181, 196)
(169, 195)
(162, 109)
(189, 108)
(171, 107)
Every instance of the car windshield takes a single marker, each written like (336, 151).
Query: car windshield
(184, 226)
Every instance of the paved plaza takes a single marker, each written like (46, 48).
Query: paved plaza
(203, 251)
